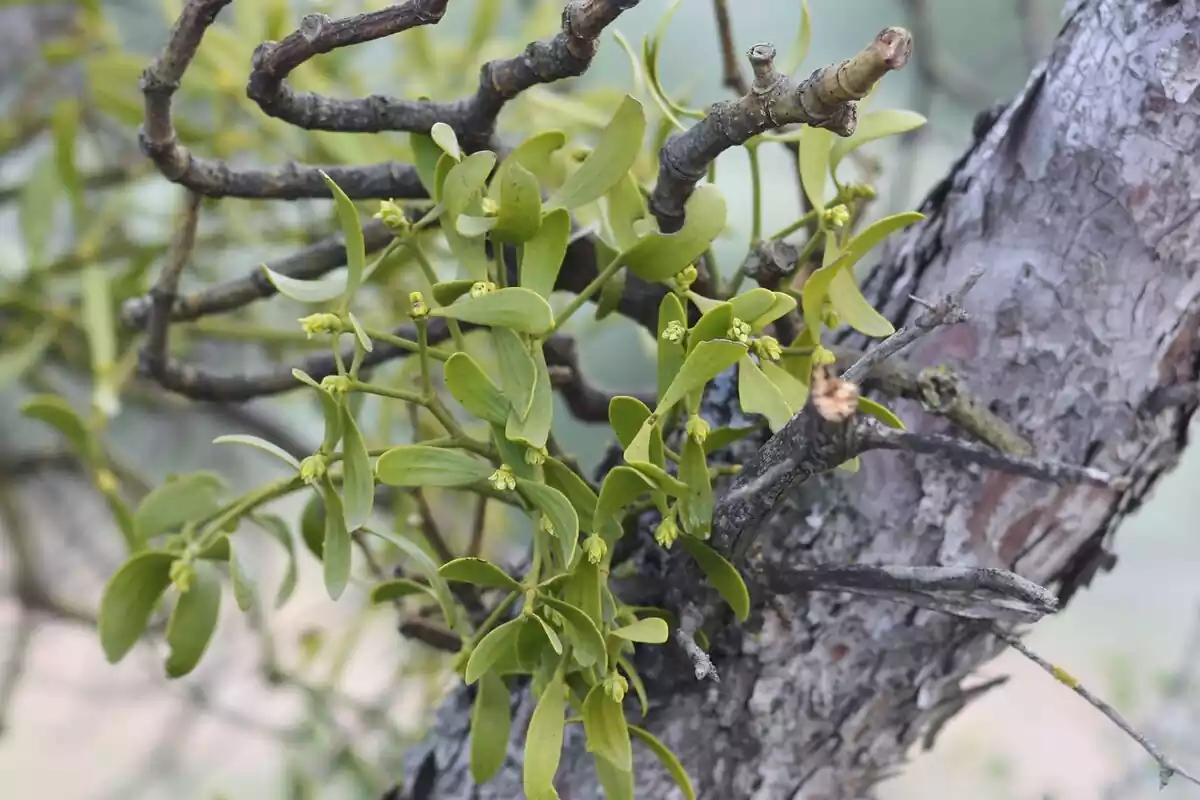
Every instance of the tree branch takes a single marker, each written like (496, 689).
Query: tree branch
(824, 100)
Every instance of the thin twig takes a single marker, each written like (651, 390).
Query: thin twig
(685, 636)
(949, 311)
(153, 356)
(873, 436)
(478, 521)
(1166, 767)
(731, 70)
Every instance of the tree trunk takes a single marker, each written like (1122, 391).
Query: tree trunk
(1081, 204)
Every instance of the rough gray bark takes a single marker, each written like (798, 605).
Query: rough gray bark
(1081, 202)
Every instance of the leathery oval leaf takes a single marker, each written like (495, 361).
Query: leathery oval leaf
(543, 253)
(512, 307)
(660, 256)
(422, 465)
(758, 395)
(193, 620)
(707, 361)
(129, 599)
(721, 574)
(607, 731)
(474, 390)
(544, 741)
(491, 722)
(615, 153)
(491, 647)
(479, 572)
(622, 485)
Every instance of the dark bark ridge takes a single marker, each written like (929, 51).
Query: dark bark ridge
(1080, 204)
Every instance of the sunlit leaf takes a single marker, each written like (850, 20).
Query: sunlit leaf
(814, 164)
(315, 291)
(713, 324)
(479, 572)
(651, 630)
(446, 292)
(782, 305)
(752, 304)
(659, 256)
(491, 647)
(794, 391)
(626, 415)
(444, 137)
(513, 307)
(472, 227)
(193, 620)
(542, 256)
(758, 395)
(721, 574)
(129, 599)
(552, 637)
(848, 301)
(421, 465)
(705, 362)
(615, 153)
(491, 721)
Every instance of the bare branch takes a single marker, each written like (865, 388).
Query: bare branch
(976, 593)
(875, 437)
(825, 100)
(732, 72)
(473, 119)
(153, 356)
(1167, 768)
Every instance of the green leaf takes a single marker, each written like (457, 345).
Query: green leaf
(610, 293)
(660, 256)
(14, 363)
(38, 202)
(186, 498)
(872, 126)
(652, 630)
(668, 759)
(794, 391)
(512, 453)
(424, 564)
(474, 390)
(312, 524)
(243, 582)
(816, 288)
(638, 449)
(724, 436)
(358, 486)
(544, 740)
(698, 502)
(513, 307)
(491, 722)
(261, 444)
(607, 731)
(721, 574)
(574, 488)
(534, 430)
(635, 680)
(625, 207)
(466, 180)
(472, 227)
(422, 465)
(670, 354)
(444, 137)
(193, 620)
(518, 371)
(707, 361)
(853, 308)
(542, 256)
(752, 304)
(356, 253)
(397, 588)
(880, 412)
(497, 641)
(479, 572)
(583, 590)
(536, 154)
(335, 552)
(558, 510)
(814, 164)
(129, 599)
(315, 291)
(617, 783)
(277, 529)
(58, 413)
(782, 305)
(758, 395)
(446, 292)
(713, 324)
(426, 154)
(552, 637)
(101, 334)
(803, 40)
(615, 153)
(622, 485)
(520, 214)
(589, 644)
(626, 415)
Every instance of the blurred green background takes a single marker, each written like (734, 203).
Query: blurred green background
(354, 693)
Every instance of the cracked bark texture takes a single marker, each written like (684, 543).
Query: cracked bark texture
(1082, 203)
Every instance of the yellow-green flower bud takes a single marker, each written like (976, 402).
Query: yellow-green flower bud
(106, 481)
(336, 385)
(546, 526)
(822, 357)
(535, 456)
(836, 217)
(666, 533)
(393, 217)
(686, 277)
(594, 548)
(503, 479)
(739, 330)
(480, 288)
(182, 573)
(313, 468)
(863, 191)
(490, 207)
(320, 323)
(768, 347)
(830, 317)
(697, 428)
(674, 332)
(418, 308)
(615, 686)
